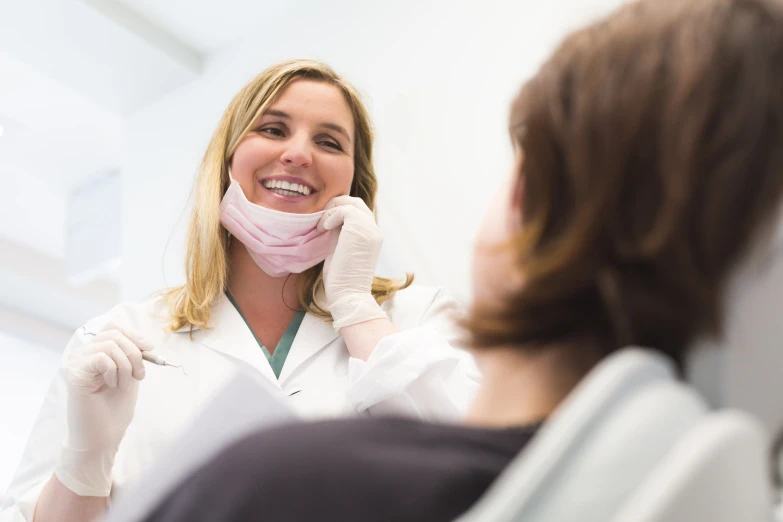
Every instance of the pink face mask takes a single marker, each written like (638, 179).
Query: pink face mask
(279, 242)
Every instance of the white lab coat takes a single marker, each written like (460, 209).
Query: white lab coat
(415, 372)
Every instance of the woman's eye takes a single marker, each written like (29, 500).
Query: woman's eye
(272, 131)
(331, 144)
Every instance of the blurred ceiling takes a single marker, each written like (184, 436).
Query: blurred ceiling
(208, 26)
(71, 72)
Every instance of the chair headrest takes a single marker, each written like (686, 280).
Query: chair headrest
(598, 445)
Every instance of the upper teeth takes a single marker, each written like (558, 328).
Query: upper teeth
(285, 185)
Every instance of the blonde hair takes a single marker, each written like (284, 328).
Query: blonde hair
(207, 258)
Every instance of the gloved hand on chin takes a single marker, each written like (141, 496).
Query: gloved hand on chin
(349, 269)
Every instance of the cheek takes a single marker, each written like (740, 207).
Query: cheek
(491, 266)
(495, 227)
(243, 174)
(252, 153)
(338, 177)
(492, 262)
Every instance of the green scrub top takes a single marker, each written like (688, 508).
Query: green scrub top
(276, 360)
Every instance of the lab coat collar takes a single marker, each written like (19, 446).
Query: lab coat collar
(313, 336)
(231, 336)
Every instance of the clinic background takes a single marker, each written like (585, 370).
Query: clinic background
(106, 107)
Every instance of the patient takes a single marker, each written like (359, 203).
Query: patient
(649, 167)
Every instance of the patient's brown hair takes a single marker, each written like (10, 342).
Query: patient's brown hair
(652, 146)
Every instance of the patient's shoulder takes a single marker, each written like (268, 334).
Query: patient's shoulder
(364, 465)
(361, 469)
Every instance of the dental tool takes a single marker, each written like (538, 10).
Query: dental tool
(150, 357)
(160, 361)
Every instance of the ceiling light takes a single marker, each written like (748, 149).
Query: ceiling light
(1, 131)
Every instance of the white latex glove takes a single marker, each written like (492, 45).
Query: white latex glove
(102, 379)
(350, 267)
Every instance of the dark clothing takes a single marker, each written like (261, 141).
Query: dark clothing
(347, 470)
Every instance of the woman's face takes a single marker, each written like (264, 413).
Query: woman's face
(299, 154)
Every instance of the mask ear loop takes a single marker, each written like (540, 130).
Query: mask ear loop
(282, 294)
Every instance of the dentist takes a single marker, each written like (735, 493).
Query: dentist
(280, 264)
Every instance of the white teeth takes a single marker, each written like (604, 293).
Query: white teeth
(286, 193)
(286, 188)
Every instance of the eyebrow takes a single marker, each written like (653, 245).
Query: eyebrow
(326, 125)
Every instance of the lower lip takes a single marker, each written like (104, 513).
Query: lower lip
(290, 199)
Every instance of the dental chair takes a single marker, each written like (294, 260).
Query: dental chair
(633, 444)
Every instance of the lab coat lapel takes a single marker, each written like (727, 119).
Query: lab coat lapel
(313, 336)
(231, 336)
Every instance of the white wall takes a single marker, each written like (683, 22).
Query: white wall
(36, 221)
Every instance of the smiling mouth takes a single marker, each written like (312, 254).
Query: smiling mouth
(286, 188)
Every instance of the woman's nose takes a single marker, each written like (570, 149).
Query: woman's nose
(297, 153)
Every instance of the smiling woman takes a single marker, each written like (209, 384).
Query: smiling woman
(297, 122)
(280, 278)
